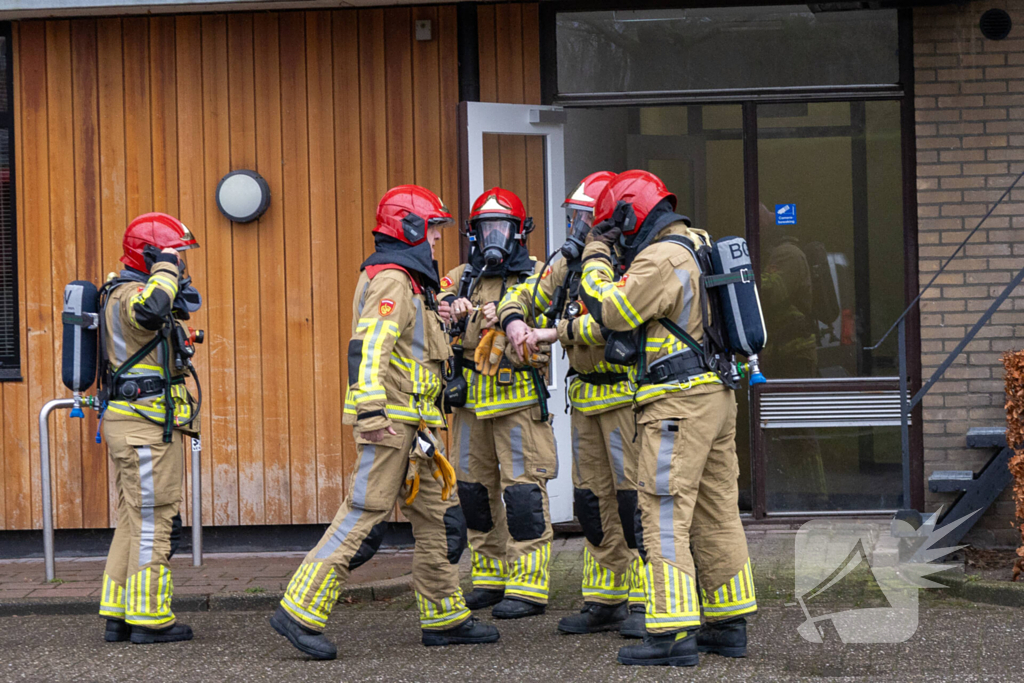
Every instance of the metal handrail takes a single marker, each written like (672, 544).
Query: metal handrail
(44, 475)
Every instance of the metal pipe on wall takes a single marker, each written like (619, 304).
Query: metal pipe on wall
(44, 476)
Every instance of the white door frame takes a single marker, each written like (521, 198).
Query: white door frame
(475, 120)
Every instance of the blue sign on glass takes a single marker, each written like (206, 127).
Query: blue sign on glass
(785, 214)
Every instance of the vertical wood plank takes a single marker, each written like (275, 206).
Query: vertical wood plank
(372, 101)
(487, 39)
(249, 380)
(269, 155)
(192, 198)
(220, 423)
(327, 350)
(534, 146)
(448, 97)
(17, 443)
(295, 145)
(137, 125)
(425, 81)
(113, 210)
(89, 240)
(163, 114)
(348, 189)
(399, 94)
(66, 434)
(34, 184)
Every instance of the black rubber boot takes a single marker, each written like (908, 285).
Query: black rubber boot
(727, 637)
(634, 625)
(117, 631)
(307, 640)
(514, 608)
(594, 618)
(479, 598)
(670, 649)
(172, 634)
(469, 632)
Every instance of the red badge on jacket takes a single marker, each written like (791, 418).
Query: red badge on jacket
(446, 282)
(386, 306)
(622, 282)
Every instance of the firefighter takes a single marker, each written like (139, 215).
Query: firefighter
(688, 469)
(502, 439)
(604, 453)
(395, 367)
(147, 414)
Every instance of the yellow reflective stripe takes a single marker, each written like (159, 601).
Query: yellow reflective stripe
(597, 283)
(451, 610)
(733, 598)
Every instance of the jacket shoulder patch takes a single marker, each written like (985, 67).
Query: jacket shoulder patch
(446, 282)
(386, 306)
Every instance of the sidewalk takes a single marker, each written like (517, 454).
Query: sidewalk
(257, 577)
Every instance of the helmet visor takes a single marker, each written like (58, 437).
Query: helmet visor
(577, 224)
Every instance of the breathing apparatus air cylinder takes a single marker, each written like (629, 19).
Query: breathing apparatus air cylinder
(81, 335)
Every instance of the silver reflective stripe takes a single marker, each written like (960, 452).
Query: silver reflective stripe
(375, 330)
(684, 279)
(666, 530)
(615, 444)
(340, 534)
(464, 435)
(515, 439)
(418, 350)
(148, 500)
(576, 448)
(366, 457)
(362, 297)
(120, 351)
(664, 473)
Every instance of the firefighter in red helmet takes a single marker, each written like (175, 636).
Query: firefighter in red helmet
(395, 367)
(501, 432)
(147, 413)
(687, 473)
(604, 454)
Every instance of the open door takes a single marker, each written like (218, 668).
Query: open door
(520, 147)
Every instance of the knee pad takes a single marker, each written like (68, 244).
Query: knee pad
(369, 547)
(476, 506)
(175, 534)
(627, 515)
(588, 510)
(524, 507)
(455, 533)
(638, 532)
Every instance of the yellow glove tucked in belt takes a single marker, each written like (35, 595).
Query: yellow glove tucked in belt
(489, 352)
(428, 449)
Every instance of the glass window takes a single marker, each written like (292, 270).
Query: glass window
(724, 48)
(833, 469)
(831, 237)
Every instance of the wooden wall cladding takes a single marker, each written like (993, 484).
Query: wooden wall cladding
(117, 117)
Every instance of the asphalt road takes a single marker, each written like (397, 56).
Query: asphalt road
(955, 641)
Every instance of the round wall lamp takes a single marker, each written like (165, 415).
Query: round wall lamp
(243, 196)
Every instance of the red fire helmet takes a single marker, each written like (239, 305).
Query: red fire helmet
(405, 212)
(156, 229)
(584, 197)
(642, 189)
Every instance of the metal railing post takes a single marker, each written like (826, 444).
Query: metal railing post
(904, 411)
(44, 476)
(197, 504)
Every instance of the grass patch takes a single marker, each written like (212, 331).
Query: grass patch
(255, 590)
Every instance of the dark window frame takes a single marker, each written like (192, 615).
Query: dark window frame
(10, 366)
(902, 92)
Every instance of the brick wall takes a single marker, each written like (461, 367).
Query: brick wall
(970, 147)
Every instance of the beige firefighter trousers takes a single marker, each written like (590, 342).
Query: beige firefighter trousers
(503, 465)
(137, 585)
(358, 529)
(688, 495)
(604, 463)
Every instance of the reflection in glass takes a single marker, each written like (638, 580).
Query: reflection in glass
(862, 471)
(831, 224)
(721, 48)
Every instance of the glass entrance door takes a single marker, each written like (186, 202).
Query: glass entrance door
(824, 181)
(830, 232)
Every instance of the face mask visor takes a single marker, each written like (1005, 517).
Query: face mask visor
(577, 227)
(495, 238)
